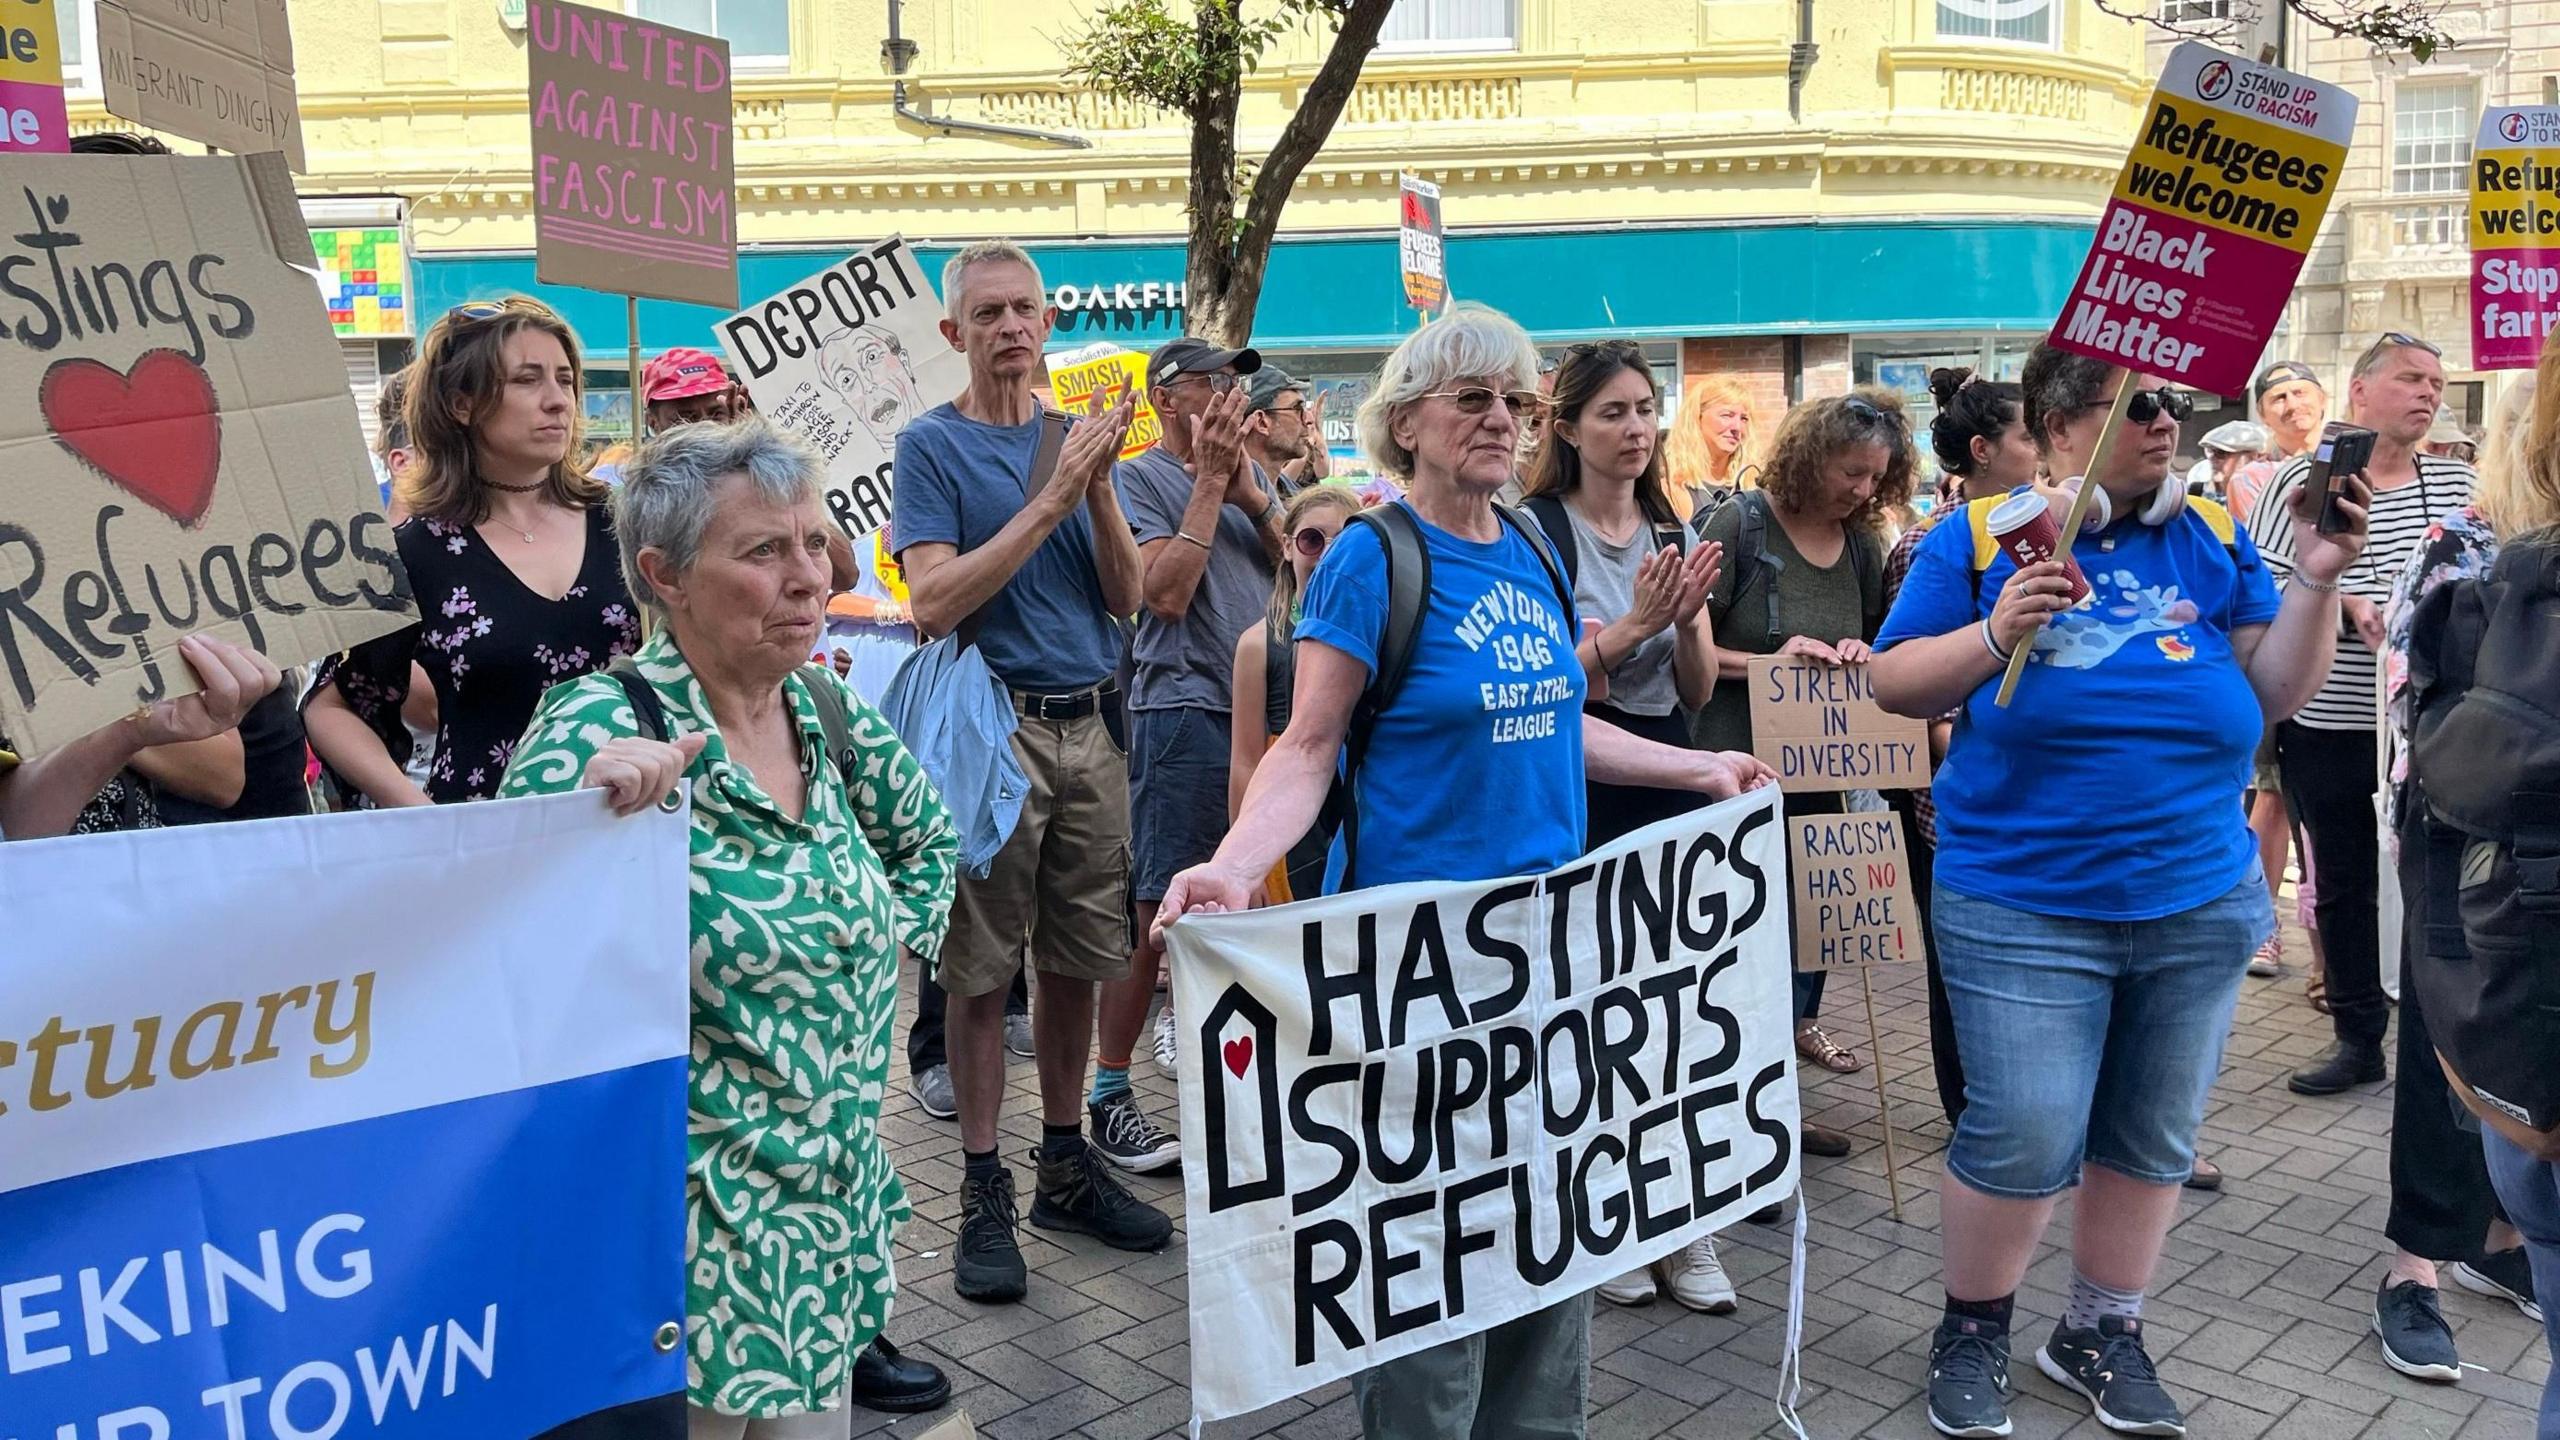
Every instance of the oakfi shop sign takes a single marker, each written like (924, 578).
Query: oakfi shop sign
(1121, 306)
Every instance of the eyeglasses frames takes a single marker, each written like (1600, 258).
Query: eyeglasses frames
(1477, 399)
(2408, 341)
(1311, 541)
(2148, 405)
(1218, 381)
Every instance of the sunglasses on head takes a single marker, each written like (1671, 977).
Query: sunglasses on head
(1869, 411)
(2412, 342)
(1311, 541)
(1476, 400)
(2147, 405)
(1615, 349)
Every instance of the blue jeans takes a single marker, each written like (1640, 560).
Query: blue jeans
(2088, 1041)
(2529, 1189)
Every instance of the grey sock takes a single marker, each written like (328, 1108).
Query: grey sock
(2091, 1302)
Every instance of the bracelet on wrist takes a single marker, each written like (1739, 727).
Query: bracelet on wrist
(1992, 644)
(1194, 539)
(2316, 587)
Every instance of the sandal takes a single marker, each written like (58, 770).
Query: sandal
(1814, 1044)
(2316, 989)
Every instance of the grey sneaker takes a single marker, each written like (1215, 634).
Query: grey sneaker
(2109, 1367)
(2409, 1321)
(1017, 1035)
(1128, 1139)
(934, 1095)
(1969, 1380)
(1168, 1043)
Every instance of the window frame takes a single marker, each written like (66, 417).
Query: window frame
(739, 64)
(82, 82)
(1439, 45)
(2195, 12)
(2053, 13)
(2466, 117)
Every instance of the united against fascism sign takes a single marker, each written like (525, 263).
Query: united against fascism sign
(1820, 728)
(2218, 203)
(844, 360)
(1414, 1112)
(178, 448)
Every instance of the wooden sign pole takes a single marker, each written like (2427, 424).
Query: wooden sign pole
(2071, 525)
(631, 329)
(1884, 1104)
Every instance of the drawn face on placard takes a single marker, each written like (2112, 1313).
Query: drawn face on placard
(866, 367)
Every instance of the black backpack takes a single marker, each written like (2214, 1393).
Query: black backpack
(2484, 669)
(1548, 510)
(1750, 562)
(1408, 596)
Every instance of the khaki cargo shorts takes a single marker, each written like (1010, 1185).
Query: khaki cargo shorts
(1061, 882)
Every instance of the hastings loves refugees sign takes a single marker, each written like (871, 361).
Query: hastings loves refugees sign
(1414, 1112)
(2220, 198)
(258, 1181)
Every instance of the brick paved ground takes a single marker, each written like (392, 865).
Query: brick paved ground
(2260, 1313)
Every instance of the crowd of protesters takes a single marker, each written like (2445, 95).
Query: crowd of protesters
(1186, 637)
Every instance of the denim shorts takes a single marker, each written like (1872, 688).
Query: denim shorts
(2089, 1041)
(1178, 762)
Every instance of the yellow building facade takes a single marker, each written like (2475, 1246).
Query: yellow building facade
(1802, 190)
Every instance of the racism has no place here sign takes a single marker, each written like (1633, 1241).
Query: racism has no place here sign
(2228, 178)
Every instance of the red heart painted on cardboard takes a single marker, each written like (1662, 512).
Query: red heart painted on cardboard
(1239, 1054)
(154, 432)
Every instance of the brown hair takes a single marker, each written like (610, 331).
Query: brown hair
(1816, 430)
(459, 366)
(1692, 454)
(1284, 590)
(1556, 466)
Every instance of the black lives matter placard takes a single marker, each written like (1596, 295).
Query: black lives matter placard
(1415, 1112)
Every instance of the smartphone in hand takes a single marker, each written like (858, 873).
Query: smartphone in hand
(1054, 425)
(2344, 450)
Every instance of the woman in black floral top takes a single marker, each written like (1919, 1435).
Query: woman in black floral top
(510, 551)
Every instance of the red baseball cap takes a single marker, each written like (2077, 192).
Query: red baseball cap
(682, 372)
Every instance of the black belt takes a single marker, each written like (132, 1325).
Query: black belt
(1063, 704)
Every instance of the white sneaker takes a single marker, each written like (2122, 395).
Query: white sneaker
(1633, 1288)
(1165, 1042)
(1696, 1278)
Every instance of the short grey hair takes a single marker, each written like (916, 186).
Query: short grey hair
(984, 252)
(1471, 342)
(667, 495)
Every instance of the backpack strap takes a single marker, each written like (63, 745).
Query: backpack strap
(1548, 510)
(646, 707)
(1408, 595)
(834, 721)
(1559, 572)
(1866, 561)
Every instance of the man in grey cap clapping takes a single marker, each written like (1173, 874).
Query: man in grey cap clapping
(1284, 430)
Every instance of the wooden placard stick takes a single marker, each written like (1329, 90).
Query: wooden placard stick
(2071, 526)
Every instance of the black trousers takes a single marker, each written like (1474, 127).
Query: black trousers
(2328, 780)
(924, 1036)
(1946, 1065)
(2441, 1199)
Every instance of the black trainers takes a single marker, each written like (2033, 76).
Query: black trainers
(2109, 1367)
(2408, 1320)
(2348, 1064)
(1128, 1139)
(1076, 1193)
(2501, 1275)
(987, 1266)
(1969, 1379)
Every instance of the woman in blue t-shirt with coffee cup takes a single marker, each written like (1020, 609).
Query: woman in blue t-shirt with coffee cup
(2097, 893)
(1474, 770)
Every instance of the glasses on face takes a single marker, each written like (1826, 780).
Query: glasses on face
(1311, 541)
(1218, 381)
(1476, 400)
(2148, 405)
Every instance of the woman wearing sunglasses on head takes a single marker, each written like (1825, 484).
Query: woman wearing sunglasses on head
(1804, 576)
(2097, 888)
(509, 549)
(1266, 673)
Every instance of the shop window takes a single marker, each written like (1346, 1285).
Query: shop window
(2027, 22)
(1451, 25)
(758, 31)
(2431, 138)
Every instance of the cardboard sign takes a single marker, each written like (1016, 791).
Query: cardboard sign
(1412, 1113)
(1852, 891)
(2218, 203)
(219, 73)
(2515, 235)
(178, 446)
(844, 359)
(1097, 376)
(32, 117)
(1418, 243)
(632, 176)
(440, 1172)
(1820, 728)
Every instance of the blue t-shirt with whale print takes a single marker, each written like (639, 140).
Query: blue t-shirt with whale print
(1476, 771)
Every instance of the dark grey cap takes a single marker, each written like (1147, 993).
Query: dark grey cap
(1191, 355)
(1267, 386)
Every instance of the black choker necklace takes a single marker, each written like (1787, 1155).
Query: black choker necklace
(516, 489)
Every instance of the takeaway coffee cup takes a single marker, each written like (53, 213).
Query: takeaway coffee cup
(2024, 528)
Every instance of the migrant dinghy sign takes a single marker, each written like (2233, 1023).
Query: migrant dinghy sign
(178, 449)
(844, 360)
(257, 1181)
(1412, 1113)
(2217, 205)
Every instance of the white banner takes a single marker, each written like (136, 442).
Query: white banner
(1414, 1112)
(844, 360)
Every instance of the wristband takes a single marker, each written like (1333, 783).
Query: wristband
(2314, 586)
(1194, 539)
(1992, 645)
(1270, 513)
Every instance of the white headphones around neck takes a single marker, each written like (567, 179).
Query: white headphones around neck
(2163, 506)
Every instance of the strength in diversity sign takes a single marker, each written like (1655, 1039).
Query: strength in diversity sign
(258, 1180)
(2515, 235)
(844, 360)
(2218, 203)
(1414, 1112)
(632, 175)
(1820, 728)
(33, 120)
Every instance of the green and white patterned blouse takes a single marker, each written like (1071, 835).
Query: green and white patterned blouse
(790, 1201)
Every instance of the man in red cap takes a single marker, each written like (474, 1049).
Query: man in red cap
(686, 387)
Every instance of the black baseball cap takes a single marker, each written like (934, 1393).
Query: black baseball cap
(1267, 386)
(2283, 372)
(1191, 355)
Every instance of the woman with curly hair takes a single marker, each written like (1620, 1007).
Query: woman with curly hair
(1804, 575)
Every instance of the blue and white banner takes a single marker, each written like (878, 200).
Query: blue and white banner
(359, 1125)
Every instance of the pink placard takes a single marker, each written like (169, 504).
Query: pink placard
(32, 119)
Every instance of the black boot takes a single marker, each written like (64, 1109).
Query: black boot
(883, 1379)
(2348, 1064)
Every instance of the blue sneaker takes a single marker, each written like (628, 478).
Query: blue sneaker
(2111, 1370)
(1969, 1380)
(2409, 1321)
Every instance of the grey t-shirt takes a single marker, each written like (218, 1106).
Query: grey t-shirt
(1604, 589)
(1192, 663)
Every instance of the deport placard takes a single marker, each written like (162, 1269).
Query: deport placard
(2219, 200)
(2515, 235)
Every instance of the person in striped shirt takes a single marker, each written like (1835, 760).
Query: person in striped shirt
(2327, 752)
